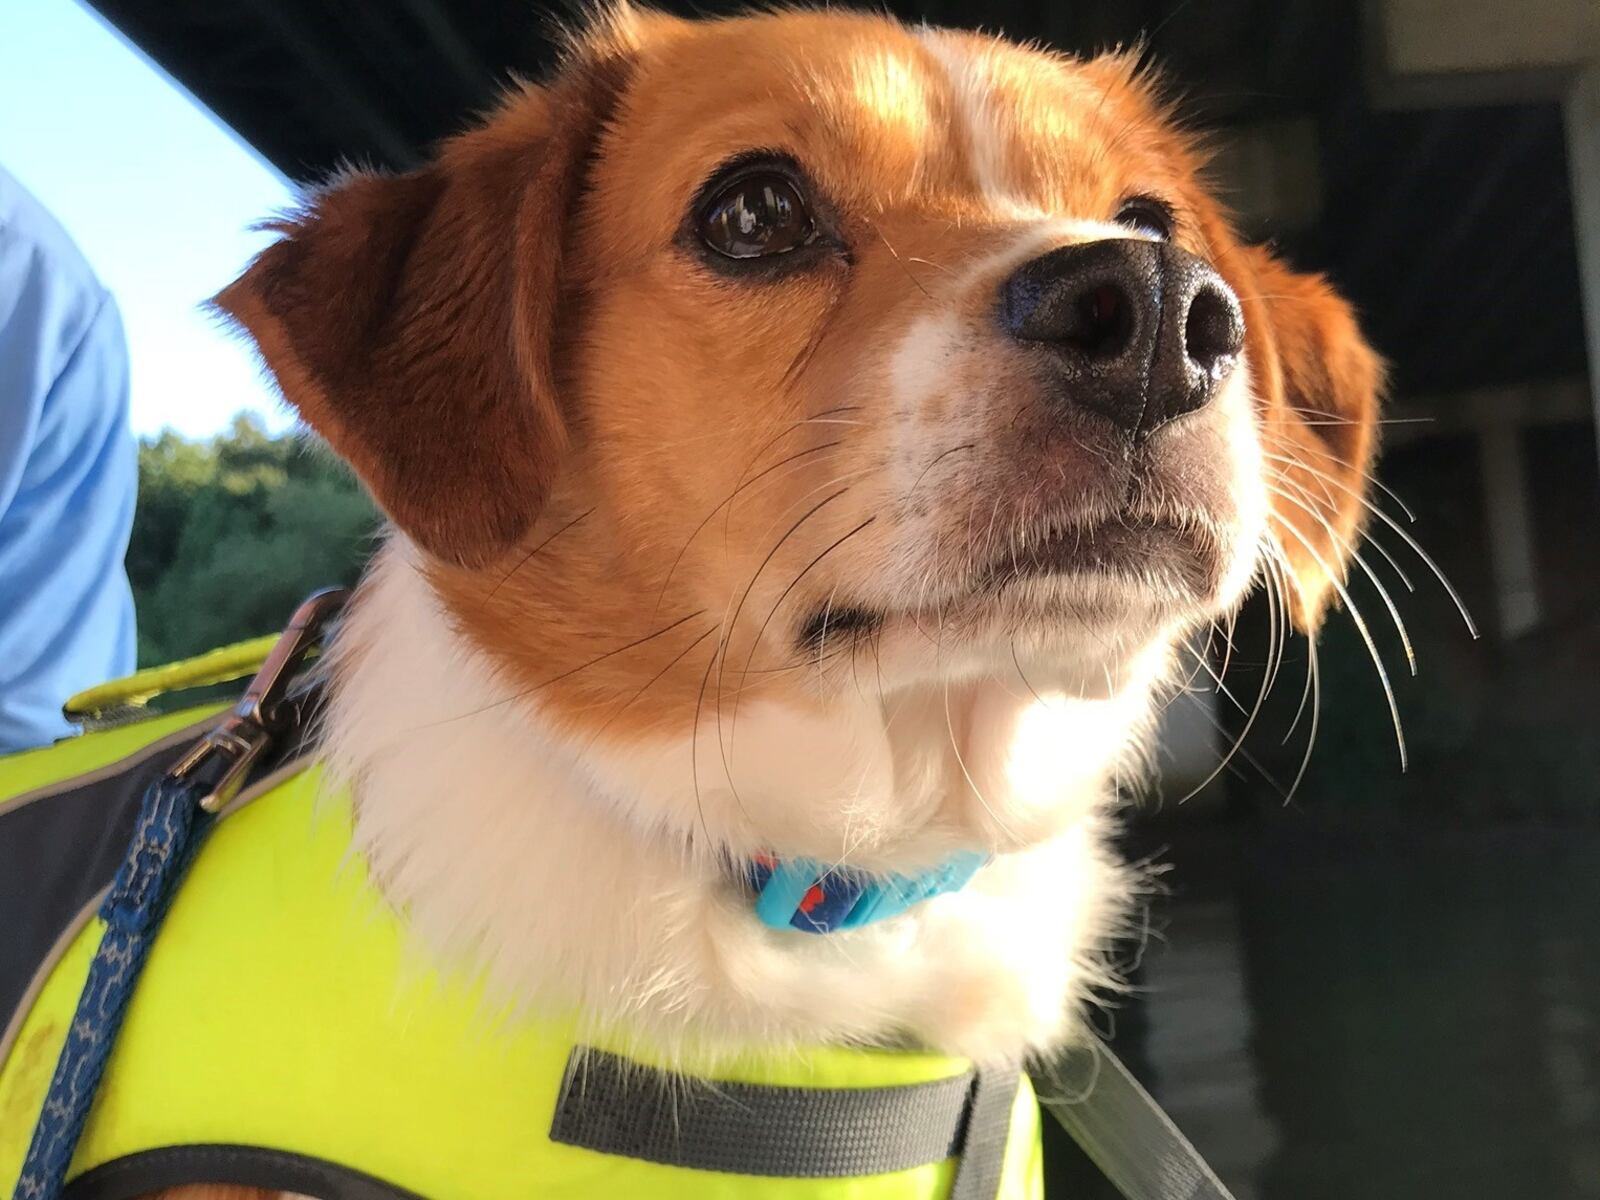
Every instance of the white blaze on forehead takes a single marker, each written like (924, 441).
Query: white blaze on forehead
(970, 74)
(1008, 104)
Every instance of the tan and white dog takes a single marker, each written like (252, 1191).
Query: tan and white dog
(802, 434)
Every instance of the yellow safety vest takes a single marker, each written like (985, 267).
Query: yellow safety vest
(285, 1020)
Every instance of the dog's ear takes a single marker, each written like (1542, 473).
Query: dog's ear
(409, 318)
(1318, 385)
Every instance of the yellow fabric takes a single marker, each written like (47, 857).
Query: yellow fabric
(222, 665)
(281, 1008)
(33, 769)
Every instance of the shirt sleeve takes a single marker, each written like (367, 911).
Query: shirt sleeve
(68, 480)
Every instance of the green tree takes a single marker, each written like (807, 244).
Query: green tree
(231, 532)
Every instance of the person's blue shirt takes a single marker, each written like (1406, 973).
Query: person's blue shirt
(68, 476)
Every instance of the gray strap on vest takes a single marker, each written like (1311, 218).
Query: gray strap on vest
(1135, 1144)
(616, 1106)
(983, 1156)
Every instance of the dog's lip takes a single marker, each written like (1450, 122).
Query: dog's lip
(1160, 553)
(1127, 544)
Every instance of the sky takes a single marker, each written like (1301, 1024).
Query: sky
(158, 194)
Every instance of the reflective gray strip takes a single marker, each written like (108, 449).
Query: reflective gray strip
(1135, 1144)
(46, 968)
(617, 1106)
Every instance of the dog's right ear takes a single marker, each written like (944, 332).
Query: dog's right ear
(409, 318)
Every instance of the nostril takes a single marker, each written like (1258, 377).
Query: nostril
(1101, 323)
(1090, 315)
(1213, 330)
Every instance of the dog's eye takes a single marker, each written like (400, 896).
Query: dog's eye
(1148, 215)
(756, 216)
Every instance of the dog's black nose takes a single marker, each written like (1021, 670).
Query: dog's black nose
(1143, 331)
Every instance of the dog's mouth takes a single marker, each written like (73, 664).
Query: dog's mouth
(1141, 550)
(1080, 570)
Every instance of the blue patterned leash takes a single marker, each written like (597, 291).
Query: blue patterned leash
(170, 828)
(175, 815)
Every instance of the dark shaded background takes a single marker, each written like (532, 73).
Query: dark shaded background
(1388, 987)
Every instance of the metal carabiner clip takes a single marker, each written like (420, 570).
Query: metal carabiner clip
(221, 761)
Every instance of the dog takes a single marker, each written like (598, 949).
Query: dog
(801, 435)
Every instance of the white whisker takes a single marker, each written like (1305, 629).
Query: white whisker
(1360, 473)
(1427, 560)
(1355, 556)
(1366, 636)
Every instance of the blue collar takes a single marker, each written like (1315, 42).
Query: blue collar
(804, 894)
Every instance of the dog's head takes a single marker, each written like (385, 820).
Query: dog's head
(796, 354)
